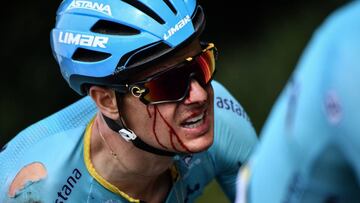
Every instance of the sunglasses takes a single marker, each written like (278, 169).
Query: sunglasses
(172, 85)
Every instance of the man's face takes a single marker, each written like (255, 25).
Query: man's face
(186, 126)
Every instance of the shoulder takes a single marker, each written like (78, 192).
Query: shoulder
(234, 134)
(328, 43)
(226, 105)
(344, 17)
(230, 116)
(48, 148)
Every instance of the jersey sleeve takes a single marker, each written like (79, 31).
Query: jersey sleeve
(234, 139)
(52, 146)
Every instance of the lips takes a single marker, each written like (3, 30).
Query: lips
(194, 121)
(197, 124)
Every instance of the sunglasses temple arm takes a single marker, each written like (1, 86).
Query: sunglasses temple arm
(120, 88)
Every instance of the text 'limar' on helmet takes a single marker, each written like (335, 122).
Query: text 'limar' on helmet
(102, 42)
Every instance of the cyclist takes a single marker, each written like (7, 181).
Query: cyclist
(154, 126)
(310, 146)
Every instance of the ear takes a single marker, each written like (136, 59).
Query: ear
(105, 100)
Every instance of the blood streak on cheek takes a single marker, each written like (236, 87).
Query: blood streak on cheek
(148, 110)
(171, 131)
(154, 126)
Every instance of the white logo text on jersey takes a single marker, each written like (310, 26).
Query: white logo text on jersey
(177, 27)
(83, 40)
(95, 6)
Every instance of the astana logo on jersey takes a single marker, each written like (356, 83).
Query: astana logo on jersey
(90, 5)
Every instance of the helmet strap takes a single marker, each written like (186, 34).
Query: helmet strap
(129, 135)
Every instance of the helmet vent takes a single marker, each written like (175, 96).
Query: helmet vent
(198, 19)
(144, 55)
(148, 54)
(142, 7)
(112, 28)
(169, 4)
(86, 55)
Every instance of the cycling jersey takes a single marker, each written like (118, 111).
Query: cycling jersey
(310, 146)
(61, 145)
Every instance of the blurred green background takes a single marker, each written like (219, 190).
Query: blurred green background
(259, 44)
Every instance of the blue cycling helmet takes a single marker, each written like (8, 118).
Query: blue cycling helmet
(101, 42)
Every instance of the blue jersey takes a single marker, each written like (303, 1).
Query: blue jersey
(60, 144)
(310, 146)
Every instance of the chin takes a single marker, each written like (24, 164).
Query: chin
(200, 144)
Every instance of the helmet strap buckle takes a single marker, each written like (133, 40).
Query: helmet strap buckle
(127, 134)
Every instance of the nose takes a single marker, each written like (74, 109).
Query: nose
(197, 93)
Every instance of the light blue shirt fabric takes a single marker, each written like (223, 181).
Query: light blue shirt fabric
(57, 142)
(310, 145)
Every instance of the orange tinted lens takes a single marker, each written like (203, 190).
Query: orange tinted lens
(206, 62)
(173, 84)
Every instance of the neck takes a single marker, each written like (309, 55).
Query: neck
(133, 171)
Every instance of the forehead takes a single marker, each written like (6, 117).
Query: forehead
(174, 58)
